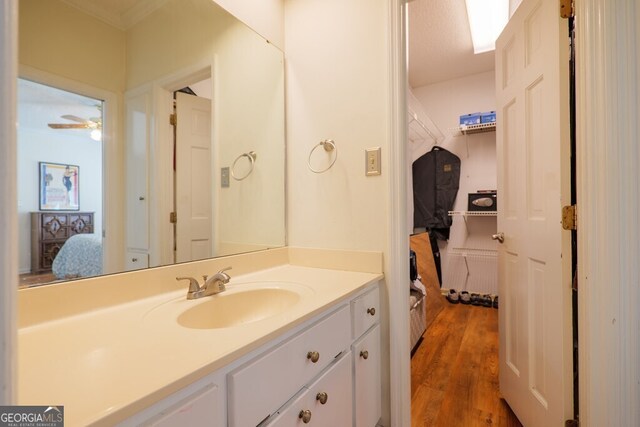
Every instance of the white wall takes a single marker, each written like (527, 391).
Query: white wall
(266, 17)
(338, 88)
(444, 102)
(61, 40)
(248, 110)
(55, 147)
(250, 117)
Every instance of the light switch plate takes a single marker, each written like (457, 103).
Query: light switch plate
(224, 177)
(372, 159)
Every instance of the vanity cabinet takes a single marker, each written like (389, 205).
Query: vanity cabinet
(325, 372)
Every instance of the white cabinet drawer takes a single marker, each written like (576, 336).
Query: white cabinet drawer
(259, 388)
(333, 388)
(365, 312)
(367, 388)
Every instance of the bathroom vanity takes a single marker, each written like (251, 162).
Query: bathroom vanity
(284, 345)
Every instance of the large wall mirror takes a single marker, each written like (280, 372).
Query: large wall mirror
(150, 132)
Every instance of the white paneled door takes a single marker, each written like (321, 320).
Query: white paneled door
(534, 261)
(193, 178)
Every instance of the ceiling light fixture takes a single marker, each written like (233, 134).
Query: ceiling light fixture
(487, 18)
(96, 135)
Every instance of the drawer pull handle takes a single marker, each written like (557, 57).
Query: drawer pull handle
(134, 259)
(314, 356)
(322, 397)
(305, 416)
(371, 311)
(364, 354)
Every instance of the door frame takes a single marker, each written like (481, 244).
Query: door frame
(161, 157)
(397, 249)
(8, 197)
(113, 220)
(607, 90)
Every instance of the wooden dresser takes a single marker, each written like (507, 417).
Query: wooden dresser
(49, 231)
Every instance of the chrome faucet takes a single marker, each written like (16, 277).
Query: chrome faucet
(212, 285)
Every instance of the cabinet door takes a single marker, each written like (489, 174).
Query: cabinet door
(326, 402)
(136, 260)
(365, 312)
(199, 409)
(269, 381)
(138, 123)
(367, 389)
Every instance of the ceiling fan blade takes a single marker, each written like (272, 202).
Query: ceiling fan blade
(68, 126)
(73, 118)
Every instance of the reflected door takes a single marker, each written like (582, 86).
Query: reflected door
(194, 187)
(532, 58)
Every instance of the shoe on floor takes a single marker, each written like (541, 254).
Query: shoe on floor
(487, 301)
(453, 297)
(495, 302)
(476, 299)
(465, 298)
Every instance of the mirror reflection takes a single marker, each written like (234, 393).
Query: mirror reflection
(150, 132)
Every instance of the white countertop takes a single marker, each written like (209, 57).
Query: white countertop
(108, 364)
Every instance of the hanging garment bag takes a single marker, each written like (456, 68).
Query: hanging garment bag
(436, 179)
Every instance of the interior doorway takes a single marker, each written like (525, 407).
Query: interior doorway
(535, 307)
(193, 170)
(60, 184)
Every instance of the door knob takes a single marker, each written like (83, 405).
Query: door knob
(314, 356)
(322, 397)
(305, 416)
(499, 237)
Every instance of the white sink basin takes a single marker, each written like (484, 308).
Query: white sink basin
(225, 310)
(240, 304)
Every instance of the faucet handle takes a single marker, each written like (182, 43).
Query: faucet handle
(194, 286)
(227, 277)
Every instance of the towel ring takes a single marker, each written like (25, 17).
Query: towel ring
(251, 155)
(328, 146)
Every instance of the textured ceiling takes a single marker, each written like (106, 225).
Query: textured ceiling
(440, 45)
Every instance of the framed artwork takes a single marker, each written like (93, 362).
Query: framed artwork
(59, 187)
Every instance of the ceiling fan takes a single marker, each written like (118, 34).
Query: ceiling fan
(91, 123)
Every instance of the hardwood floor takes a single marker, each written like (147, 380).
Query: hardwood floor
(454, 372)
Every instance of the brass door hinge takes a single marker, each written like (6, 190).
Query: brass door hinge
(569, 217)
(173, 217)
(173, 119)
(566, 9)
